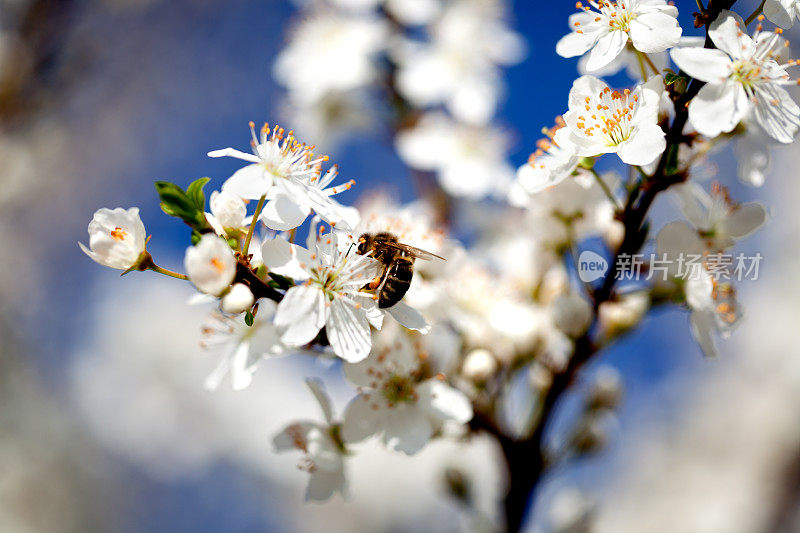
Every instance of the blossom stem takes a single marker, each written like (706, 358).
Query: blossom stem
(606, 189)
(651, 64)
(253, 224)
(641, 65)
(755, 13)
(155, 268)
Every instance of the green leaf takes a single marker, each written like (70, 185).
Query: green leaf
(195, 192)
(177, 203)
(248, 318)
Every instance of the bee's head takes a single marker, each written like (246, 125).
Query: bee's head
(364, 243)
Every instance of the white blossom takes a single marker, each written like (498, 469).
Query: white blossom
(601, 120)
(742, 78)
(573, 209)
(323, 452)
(238, 300)
(782, 12)
(719, 221)
(116, 237)
(651, 26)
(286, 171)
(712, 303)
(240, 346)
(547, 166)
(331, 296)
(397, 401)
(459, 66)
(228, 211)
(328, 52)
(479, 365)
(469, 161)
(210, 264)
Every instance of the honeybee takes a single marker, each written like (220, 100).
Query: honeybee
(397, 260)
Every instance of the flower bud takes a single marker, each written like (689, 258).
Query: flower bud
(238, 300)
(616, 317)
(228, 209)
(613, 234)
(210, 264)
(539, 376)
(571, 511)
(571, 314)
(479, 365)
(116, 237)
(606, 389)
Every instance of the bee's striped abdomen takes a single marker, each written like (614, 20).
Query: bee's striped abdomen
(397, 282)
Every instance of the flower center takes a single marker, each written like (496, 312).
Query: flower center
(747, 72)
(399, 389)
(618, 15)
(609, 116)
(217, 264)
(118, 234)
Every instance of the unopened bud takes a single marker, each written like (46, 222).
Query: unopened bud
(571, 314)
(590, 434)
(228, 208)
(613, 234)
(238, 299)
(616, 317)
(539, 376)
(606, 389)
(479, 365)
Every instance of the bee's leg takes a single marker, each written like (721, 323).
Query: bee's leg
(375, 283)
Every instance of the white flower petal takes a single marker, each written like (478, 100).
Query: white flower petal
(727, 32)
(645, 145)
(778, 13)
(608, 47)
(409, 317)
(232, 152)
(285, 258)
(283, 213)
(251, 182)
(322, 484)
(303, 313)
(243, 367)
(705, 64)
(744, 220)
(407, 429)
(654, 32)
(703, 327)
(348, 331)
(777, 113)
(443, 402)
(718, 107)
(363, 418)
(318, 389)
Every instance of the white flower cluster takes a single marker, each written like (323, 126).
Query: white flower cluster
(515, 301)
(436, 64)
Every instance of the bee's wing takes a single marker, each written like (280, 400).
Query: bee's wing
(412, 251)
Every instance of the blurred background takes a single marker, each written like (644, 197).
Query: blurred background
(104, 423)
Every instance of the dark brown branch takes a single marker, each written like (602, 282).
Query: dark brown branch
(526, 458)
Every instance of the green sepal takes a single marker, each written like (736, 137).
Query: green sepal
(282, 282)
(249, 318)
